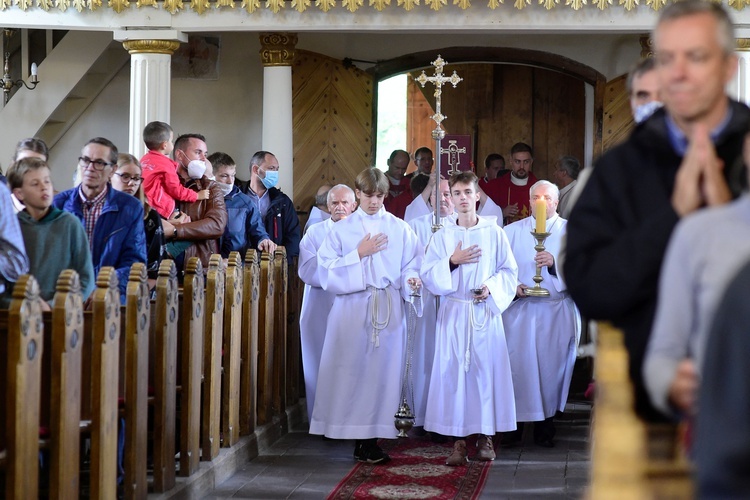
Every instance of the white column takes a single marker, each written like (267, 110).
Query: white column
(739, 87)
(150, 79)
(277, 54)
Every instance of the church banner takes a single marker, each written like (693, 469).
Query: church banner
(455, 154)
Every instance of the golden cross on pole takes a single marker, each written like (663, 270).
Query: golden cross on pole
(438, 134)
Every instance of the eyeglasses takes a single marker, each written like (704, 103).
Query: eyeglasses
(127, 178)
(85, 161)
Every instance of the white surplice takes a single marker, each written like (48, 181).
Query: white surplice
(471, 390)
(419, 208)
(316, 304)
(316, 215)
(360, 377)
(424, 341)
(542, 333)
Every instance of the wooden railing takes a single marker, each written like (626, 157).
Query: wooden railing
(182, 363)
(630, 459)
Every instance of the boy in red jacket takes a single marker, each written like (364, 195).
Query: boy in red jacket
(161, 184)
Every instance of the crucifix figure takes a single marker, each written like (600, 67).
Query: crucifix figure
(438, 134)
(454, 159)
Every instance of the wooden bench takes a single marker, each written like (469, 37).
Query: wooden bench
(227, 334)
(249, 344)
(21, 349)
(232, 351)
(630, 459)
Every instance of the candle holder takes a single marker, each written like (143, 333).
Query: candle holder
(537, 290)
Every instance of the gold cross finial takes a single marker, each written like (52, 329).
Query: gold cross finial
(438, 79)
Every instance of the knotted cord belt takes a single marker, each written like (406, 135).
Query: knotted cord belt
(473, 325)
(377, 324)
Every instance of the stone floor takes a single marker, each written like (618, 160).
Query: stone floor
(301, 466)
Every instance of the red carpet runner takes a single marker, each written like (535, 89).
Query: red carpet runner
(417, 470)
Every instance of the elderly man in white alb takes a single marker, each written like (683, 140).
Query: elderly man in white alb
(541, 331)
(422, 204)
(316, 302)
(424, 342)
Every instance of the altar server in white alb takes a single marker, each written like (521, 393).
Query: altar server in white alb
(422, 204)
(542, 332)
(469, 264)
(370, 261)
(424, 342)
(316, 302)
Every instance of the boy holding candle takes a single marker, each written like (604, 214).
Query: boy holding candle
(470, 265)
(541, 332)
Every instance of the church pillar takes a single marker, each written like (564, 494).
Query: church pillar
(150, 79)
(739, 87)
(277, 54)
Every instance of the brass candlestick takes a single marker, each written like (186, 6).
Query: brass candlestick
(537, 290)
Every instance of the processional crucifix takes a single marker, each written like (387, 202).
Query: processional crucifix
(438, 134)
(404, 417)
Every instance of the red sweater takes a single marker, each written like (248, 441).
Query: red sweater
(162, 185)
(504, 193)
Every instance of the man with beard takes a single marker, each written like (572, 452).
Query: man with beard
(511, 192)
(399, 192)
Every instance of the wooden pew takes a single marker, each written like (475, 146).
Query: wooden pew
(191, 363)
(86, 348)
(214, 321)
(630, 459)
(137, 320)
(21, 349)
(250, 320)
(280, 269)
(165, 376)
(293, 347)
(103, 379)
(266, 320)
(230, 386)
(67, 337)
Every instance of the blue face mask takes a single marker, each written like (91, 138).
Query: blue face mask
(271, 178)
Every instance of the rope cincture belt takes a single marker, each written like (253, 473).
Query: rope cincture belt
(473, 325)
(377, 324)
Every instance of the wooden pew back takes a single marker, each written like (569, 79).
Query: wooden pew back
(230, 386)
(214, 323)
(65, 389)
(266, 321)
(280, 270)
(21, 349)
(250, 321)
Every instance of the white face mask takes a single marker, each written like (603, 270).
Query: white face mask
(225, 188)
(196, 169)
(644, 111)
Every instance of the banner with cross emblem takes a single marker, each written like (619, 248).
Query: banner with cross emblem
(455, 154)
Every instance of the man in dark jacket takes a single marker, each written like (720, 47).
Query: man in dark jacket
(244, 228)
(686, 156)
(113, 220)
(276, 209)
